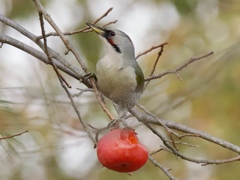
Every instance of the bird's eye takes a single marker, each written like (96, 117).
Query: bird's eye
(112, 33)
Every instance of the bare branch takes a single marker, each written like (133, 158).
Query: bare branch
(155, 63)
(222, 161)
(185, 157)
(85, 127)
(147, 120)
(186, 144)
(175, 71)
(143, 117)
(150, 49)
(104, 15)
(100, 100)
(48, 54)
(84, 30)
(169, 131)
(109, 23)
(66, 42)
(157, 151)
(82, 91)
(19, 134)
(165, 170)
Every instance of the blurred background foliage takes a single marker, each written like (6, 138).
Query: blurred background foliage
(208, 97)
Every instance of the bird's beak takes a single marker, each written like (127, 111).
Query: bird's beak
(97, 29)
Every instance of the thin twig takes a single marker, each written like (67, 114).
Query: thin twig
(86, 29)
(164, 169)
(175, 71)
(188, 135)
(62, 80)
(222, 161)
(47, 53)
(103, 16)
(83, 30)
(66, 42)
(19, 134)
(184, 143)
(85, 127)
(155, 152)
(173, 150)
(155, 63)
(150, 49)
(109, 23)
(147, 120)
(169, 131)
(99, 98)
(82, 91)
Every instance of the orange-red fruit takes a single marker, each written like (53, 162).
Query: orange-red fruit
(120, 150)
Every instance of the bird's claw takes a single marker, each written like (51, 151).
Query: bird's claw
(87, 76)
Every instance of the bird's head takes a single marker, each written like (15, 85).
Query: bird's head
(116, 40)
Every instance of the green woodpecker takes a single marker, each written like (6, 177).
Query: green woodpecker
(119, 76)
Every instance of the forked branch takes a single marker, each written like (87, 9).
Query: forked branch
(175, 71)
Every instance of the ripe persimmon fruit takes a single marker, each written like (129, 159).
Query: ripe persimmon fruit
(121, 151)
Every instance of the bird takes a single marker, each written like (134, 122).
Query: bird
(119, 77)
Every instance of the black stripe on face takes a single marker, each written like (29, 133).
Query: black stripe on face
(117, 49)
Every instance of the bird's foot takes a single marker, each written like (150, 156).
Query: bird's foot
(86, 77)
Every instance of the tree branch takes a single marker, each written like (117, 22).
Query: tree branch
(175, 71)
(150, 49)
(156, 61)
(223, 161)
(61, 78)
(86, 29)
(19, 134)
(143, 117)
(147, 120)
(165, 170)
(66, 42)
